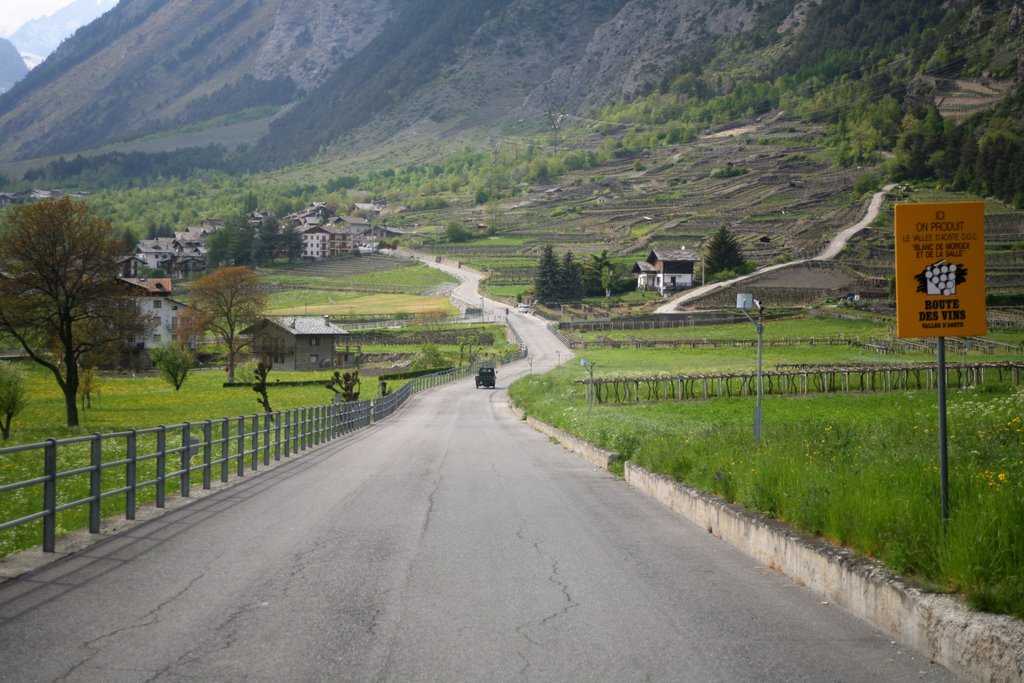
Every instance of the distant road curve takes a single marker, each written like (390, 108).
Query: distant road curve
(828, 253)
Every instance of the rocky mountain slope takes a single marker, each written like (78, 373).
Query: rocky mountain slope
(150, 65)
(12, 66)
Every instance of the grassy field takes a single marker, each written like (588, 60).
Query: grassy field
(319, 288)
(125, 402)
(798, 327)
(418, 279)
(316, 302)
(861, 470)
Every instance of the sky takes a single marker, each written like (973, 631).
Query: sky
(14, 13)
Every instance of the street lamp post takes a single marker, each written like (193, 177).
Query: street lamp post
(745, 302)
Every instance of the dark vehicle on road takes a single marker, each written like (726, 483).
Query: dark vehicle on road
(485, 377)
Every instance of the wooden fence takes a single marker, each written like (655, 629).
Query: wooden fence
(801, 380)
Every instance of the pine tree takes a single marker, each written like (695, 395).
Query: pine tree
(722, 253)
(569, 280)
(546, 283)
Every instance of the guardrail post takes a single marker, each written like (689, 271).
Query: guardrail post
(241, 447)
(302, 437)
(186, 460)
(50, 496)
(277, 435)
(266, 438)
(317, 425)
(131, 480)
(207, 455)
(287, 432)
(161, 465)
(225, 432)
(95, 482)
(254, 441)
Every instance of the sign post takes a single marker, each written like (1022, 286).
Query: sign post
(745, 302)
(940, 288)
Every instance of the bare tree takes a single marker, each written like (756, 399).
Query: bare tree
(60, 298)
(230, 300)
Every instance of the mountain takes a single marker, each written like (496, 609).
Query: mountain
(152, 65)
(12, 66)
(332, 77)
(149, 66)
(40, 37)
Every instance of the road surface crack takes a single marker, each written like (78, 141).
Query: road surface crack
(149, 619)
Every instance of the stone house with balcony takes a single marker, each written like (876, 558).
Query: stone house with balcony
(296, 342)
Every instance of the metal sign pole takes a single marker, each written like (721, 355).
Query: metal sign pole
(760, 384)
(943, 459)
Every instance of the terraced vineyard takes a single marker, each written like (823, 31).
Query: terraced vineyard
(772, 182)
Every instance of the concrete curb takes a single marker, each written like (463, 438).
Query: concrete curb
(972, 645)
(585, 449)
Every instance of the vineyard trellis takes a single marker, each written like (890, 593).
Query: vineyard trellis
(800, 380)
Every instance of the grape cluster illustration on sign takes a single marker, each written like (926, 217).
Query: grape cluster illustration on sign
(941, 278)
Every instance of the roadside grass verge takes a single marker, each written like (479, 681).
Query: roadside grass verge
(858, 469)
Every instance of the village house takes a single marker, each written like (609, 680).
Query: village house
(316, 242)
(128, 266)
(666, 271)
(155, 303)
(295, 342)
(156, 252)
(316, 213)
(177, 256)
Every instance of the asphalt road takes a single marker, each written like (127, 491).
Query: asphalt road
(448, 543)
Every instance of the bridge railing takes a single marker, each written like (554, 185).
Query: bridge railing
(74, 483)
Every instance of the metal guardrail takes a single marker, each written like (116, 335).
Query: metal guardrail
(553, 328)
(144, 465)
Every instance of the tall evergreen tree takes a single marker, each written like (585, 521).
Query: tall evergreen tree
(723, 252)
(546, 282)
(570, 279)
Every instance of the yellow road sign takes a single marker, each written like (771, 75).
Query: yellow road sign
(940, 269)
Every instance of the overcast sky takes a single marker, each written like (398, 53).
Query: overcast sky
(14, 13)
